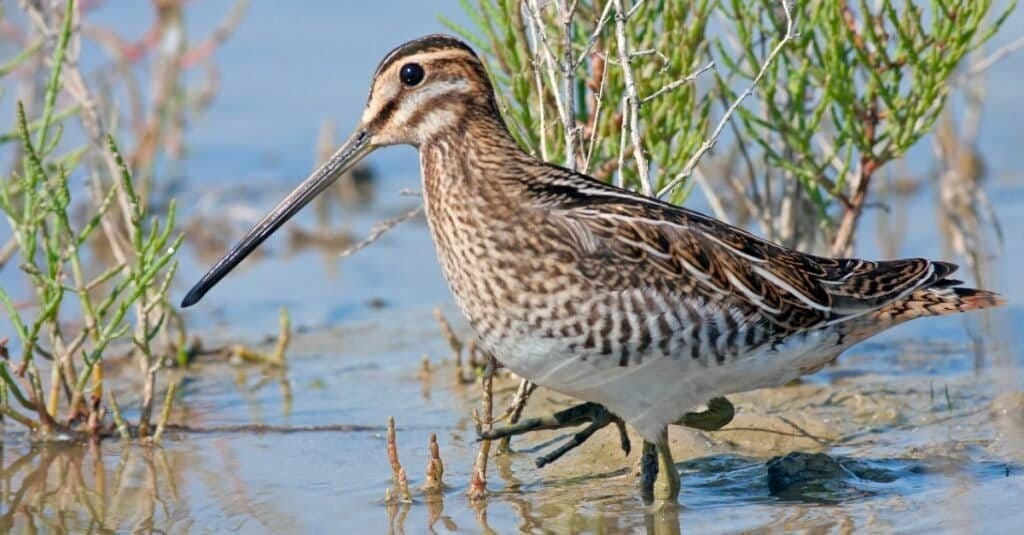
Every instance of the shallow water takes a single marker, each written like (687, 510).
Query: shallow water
(923, 426)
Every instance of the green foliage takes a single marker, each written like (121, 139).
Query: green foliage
(116, 260)
(857, 88)
(668, 43)
(857, 85)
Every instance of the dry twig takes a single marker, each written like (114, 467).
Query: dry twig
(484, 419)
(632, 100)
(379, 230)
(710, 141)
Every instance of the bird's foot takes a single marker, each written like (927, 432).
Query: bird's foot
(719, 413)
(597, 416)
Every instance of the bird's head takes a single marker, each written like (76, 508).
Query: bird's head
(422, 90)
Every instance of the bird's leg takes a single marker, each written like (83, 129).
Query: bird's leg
(719, 413)
(648, 471)
(597, 416)
(666, 486)
(659, 479)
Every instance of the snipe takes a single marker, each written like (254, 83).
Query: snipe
(629, 303)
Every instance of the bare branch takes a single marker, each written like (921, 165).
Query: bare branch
(635, 8)
(682, 81)
(539, 34)
(632, 102)
(599, 101)
(598, 30)
(379, 230)
(713, 199)
(620, 178)
(993, 58)
(710, 142)
(569, 85)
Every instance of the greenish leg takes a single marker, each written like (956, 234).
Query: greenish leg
(659, 479)
(594, 414)
(648, 471)
(666, 486)
(719, 413)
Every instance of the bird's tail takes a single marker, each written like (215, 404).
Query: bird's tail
(946, 296)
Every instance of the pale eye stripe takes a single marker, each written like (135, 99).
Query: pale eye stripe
(436, 120)
(416, 100)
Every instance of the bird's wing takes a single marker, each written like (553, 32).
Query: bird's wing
(624, 240)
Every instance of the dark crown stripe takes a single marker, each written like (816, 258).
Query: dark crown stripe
(430, 43)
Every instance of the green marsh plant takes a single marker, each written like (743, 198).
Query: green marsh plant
(636, 92)
(99, 280)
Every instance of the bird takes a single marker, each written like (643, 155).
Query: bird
(641, 309)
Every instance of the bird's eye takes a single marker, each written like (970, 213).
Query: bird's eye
(411, 74)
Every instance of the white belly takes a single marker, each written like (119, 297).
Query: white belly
(659, 390)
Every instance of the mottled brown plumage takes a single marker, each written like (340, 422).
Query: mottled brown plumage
(618, 299)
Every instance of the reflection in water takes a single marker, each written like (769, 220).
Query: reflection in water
(69, 488)
(76, 488)
(663, 522)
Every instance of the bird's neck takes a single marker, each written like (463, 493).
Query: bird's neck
(479, 158)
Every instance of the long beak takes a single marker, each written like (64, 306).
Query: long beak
(357, 147)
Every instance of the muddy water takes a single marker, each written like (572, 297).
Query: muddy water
(919, 430)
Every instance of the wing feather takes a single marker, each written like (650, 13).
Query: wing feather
(630, 241)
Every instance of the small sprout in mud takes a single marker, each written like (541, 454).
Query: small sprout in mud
(449, 334)
(283, 338)
(466, 370)
(392, 443)
(276, 359)
(457, 346)
(401, 492)
(433, 482)
(403, 487)
(472, 358)
(425, 369)
(119, 422)
(478, 483)
(165, 413)
(484, 419)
